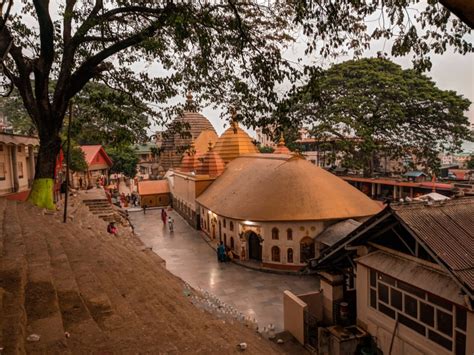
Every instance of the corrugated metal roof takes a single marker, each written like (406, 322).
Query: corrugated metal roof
(448, 230)
(337, 231)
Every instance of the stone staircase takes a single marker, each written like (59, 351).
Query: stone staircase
(85, 291)
(102, 208)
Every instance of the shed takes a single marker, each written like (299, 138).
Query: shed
(154, 193)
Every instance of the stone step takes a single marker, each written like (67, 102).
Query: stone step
(41, 301)
(13, 280)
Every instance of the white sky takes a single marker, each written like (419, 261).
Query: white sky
(450, 71)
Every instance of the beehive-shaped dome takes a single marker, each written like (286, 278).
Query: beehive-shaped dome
(282, 187)
(234, 142)
(181, 132)
(281, 147)
(190, 162)
(212, 163)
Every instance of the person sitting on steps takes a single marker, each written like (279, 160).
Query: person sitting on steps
(111, 228)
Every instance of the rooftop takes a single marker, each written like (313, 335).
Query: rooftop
(282, 187)
(153, 187)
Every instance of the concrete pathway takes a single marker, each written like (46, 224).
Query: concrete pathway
(254, 293)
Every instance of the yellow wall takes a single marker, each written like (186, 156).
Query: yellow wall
(293, 315)
(159, 200)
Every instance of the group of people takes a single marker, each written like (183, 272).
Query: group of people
(128, 199)
(165, 218)
(224, 253)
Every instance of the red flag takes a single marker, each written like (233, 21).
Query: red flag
(59, 162)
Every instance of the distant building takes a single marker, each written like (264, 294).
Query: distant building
(98, 166)
(415, 176)
(17, 162)
(146, 159)
(154, 193)
(264, 139)
(405, 276)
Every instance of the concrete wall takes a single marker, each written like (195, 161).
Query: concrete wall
(264, 229)
(314, 301)
(406, 340)
(293, 315)
(6, 186)
(158, 200)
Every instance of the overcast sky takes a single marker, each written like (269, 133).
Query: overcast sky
(450, 71)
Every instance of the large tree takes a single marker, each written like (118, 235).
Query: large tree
(101, 115)
(373, 107)
(228, 51)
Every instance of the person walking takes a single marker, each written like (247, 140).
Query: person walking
(170, 223)
(144, 208)
(221, 252)
(165, 216)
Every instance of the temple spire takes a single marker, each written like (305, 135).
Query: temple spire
(190, 105)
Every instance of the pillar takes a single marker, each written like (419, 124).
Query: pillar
(379, 189)
(31, 162)
(394, 192)
(16, 182)
(373, 190)
(411, 192)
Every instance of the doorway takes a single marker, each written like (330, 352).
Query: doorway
(255, 249)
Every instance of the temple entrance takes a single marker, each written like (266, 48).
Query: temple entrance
(255, 250)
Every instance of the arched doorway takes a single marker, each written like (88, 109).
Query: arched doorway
(255, 250)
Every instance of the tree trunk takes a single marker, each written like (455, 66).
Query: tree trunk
(41, 193)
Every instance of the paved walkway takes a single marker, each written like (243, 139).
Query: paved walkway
(254, 293)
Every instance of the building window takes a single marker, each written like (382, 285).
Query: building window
(232, 243)
(224, 223)
(2, 171)
(275, 233)
(289, 234)
(276, 254)
(1, 147)
(433, 317)
(19, 149)
(231, 226)
(20, 169)
(225, 239)
(289, 256)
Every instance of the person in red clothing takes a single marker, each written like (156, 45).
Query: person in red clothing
(111, 228)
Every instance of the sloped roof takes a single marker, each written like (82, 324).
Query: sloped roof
(337, 231)
(153, 187)
(448, 230)
(91, 151)
(280, 187)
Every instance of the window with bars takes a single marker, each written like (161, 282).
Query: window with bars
(431, 316)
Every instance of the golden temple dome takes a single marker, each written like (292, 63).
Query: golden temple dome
(234, 142)
(190, 162)
(282, 187)
(281, 147)
(181, 132)
(212, 163)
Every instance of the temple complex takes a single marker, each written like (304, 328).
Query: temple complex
(270, 208)
(187, 127)
(266, 208)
